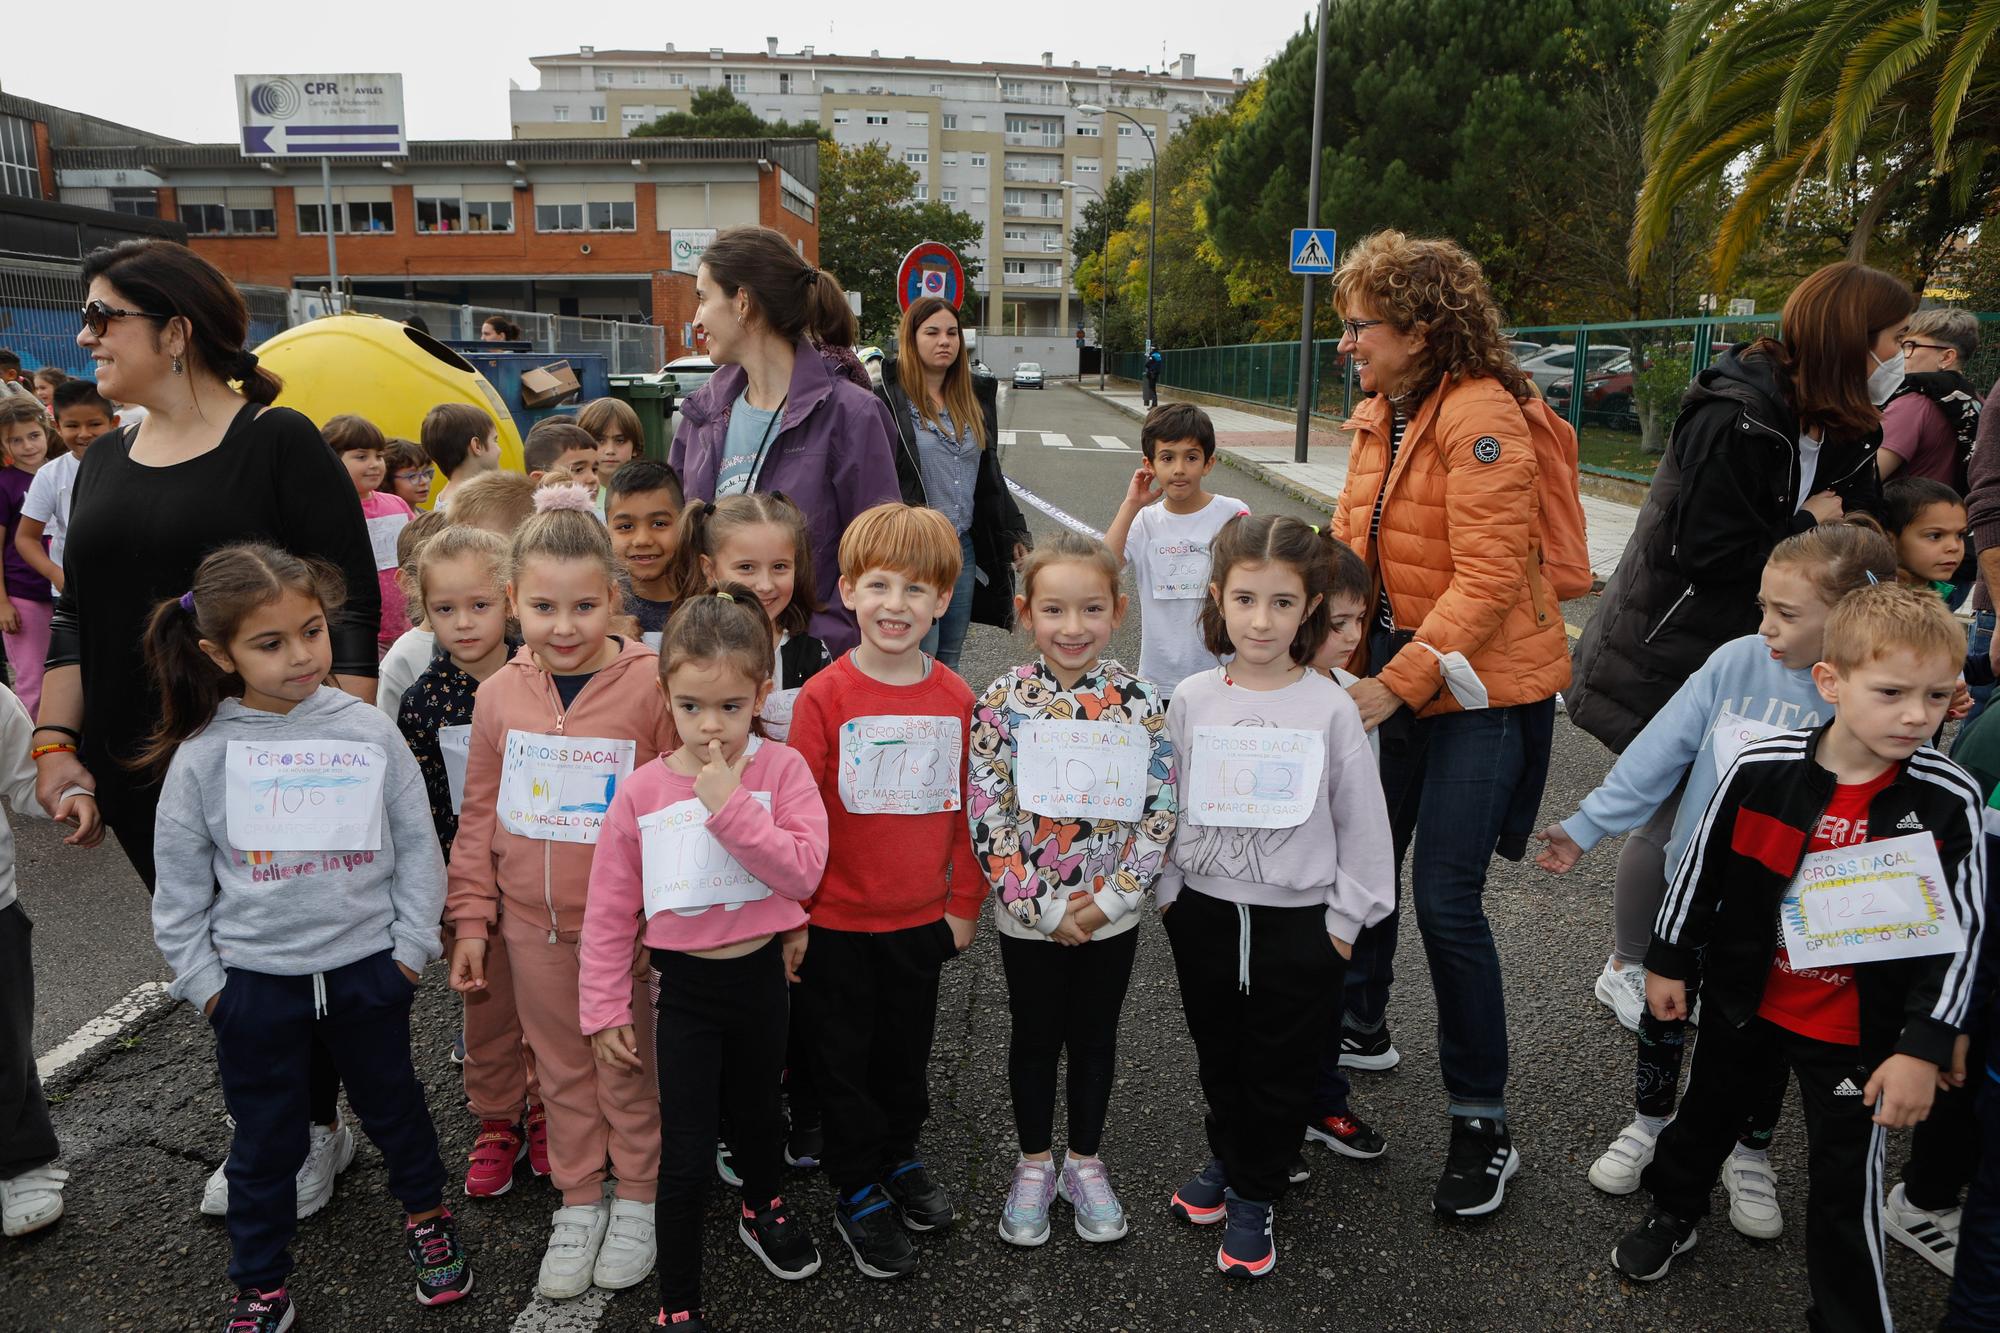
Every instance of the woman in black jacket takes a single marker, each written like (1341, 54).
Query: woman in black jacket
(947, 432)
(1776, 436)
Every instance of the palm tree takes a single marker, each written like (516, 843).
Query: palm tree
(1886, 94)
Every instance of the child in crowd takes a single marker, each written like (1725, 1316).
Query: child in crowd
(81, 416)
(273, 966)
(458, 439)
(642, 504)
(1163, 529)
(1867, 1036)
(723, 940)
(47, 380)
(885, 730)
(615, 427)
(557, 450)
(27, 602)
(499, 502)
(1072, 808)
(555, 733)
(1749, 689)
(410, 471)
(1927, 520)
(361, 448)
(1264, 894)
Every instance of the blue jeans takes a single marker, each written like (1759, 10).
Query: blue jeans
(946, 641)
(1978, 642)
(1975, 1287)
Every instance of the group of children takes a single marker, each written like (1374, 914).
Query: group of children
(659, 811)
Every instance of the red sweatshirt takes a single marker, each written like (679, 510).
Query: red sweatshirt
(890, 871)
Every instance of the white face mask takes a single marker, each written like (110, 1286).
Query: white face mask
(1885, 379)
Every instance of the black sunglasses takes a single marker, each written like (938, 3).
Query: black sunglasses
(97, 316)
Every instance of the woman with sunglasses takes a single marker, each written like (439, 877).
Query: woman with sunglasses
(212, 464)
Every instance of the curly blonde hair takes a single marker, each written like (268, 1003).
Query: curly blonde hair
(1434, 286)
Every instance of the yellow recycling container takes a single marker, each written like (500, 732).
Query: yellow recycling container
(384, 371)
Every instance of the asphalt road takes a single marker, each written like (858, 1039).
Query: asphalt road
(1358, 1245)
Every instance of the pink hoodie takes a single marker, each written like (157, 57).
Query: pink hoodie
(783, 847)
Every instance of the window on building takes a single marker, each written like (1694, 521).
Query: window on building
(937, 90)
(630, 118)
(439, 209)
(598, 114)
(676, 79)
(604, 78)
(948, 195)
(793, 197)
(738, 83)
(878, 118)
(1014, 268)
(920, 119)
(950, 159)
(950, 119)
(841, 117)
(916, 157)
(356, 208)
(784, 81)
(638, 78)
(923, 193)
(562, 113)
(1087, 166)
(135, 203)
(201, 218)
(443, 209)
(1013, 89)
(1086, 130)
(1124, 131)
(979, 124)
(979, 159)
(978, 194)
(559, 208)
(1018, 234)
(20, 173)
(489, 208)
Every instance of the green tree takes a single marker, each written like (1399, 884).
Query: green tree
(714, 113)
(869, 219)
(1101, 217)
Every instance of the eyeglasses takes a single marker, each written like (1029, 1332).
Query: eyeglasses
(422, 476)
(97, 316)
(1354, 328)
(1909, 345)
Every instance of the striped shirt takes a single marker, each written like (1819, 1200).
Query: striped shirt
(1384, 613)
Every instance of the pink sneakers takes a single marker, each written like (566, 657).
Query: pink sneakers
(490, 1169)
(536, 1123)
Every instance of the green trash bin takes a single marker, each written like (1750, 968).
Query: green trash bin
(654, 402)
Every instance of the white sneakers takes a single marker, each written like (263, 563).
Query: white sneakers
(1753, 1196)
(329, 1152)
(1932, 1235)
(1618, 1171)
(33, 1200)
(608, 1245)
(1623, 991)
(626, 1256)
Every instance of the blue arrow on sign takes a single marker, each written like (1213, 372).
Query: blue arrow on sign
(257, 139)
(1312, 250)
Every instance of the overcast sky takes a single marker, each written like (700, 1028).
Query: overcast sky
(170, 68)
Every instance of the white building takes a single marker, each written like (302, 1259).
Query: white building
(992, 140)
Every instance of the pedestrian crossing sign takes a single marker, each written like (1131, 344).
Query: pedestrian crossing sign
(1312, 250)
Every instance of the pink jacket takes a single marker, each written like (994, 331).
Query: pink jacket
(542, 880)
(783, 847)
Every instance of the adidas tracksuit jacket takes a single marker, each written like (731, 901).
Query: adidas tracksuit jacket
(1721, 915)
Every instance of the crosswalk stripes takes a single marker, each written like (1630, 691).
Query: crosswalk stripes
(1054, 440)
(1007, 438)
(1111, 442)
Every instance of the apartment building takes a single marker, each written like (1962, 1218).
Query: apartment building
(992, 140)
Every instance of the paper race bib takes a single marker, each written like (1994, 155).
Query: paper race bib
(1253, 777)
(684, 868)
(1082, 770)
(777, 713)
(1868, 902)
(1732, 732)
(1180, 569)
(304, 796)
(557, 788)
(900, 765)
(382, 534)
(455, 744)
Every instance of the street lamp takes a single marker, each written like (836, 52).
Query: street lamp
(1103, 272)
(1152, 218)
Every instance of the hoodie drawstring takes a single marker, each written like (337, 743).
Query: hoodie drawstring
(319, 995)
(1243, 948)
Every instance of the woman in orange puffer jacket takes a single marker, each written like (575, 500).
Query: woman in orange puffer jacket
(1440, 501)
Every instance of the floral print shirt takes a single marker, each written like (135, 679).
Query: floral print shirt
(1036, 862)
(441, 697)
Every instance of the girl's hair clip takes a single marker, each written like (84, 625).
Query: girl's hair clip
(725, 596)
(1872, 580)
(187, 601)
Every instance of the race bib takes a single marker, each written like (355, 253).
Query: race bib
(1180, 569)
(1253, 777)
(1732, 732)
(455, 744)
(557, 788)
(305, 796)
(684, 868)
(382, 534)
(900, 765)
(777, 713)
(1869, 902)
(1082, 770)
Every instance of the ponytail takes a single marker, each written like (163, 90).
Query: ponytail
(793, 298)
(178, 284)
(830, 320)
(705, 526)
(690, 545)
(190, 685)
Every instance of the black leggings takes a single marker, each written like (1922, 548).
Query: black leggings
(1657, 1076)
(1064, 997)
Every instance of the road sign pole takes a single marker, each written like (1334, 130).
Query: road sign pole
(1306, 394)
(326, 220)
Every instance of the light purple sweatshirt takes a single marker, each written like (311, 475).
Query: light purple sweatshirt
(1340, 856)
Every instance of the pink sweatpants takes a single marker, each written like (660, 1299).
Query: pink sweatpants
(28, 648)
(499, 1071)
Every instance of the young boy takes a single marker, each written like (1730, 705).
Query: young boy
(410, 471)
(615, 427)
(1166, 543)
(641, 504)
(458, 439)
(27, 606)
(1866, 1038)
(361, 448)
(887, 733)
(82, 415)
(559, 451)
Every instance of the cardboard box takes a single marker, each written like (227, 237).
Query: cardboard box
(549, 385)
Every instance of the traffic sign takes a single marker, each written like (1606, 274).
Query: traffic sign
(930, 269)
(321, 115)
(1312, 250)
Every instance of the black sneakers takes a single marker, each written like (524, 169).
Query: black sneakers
(924, 1204)
(780, 1240)
(874, 1234)
(1349, 1135)
(1298, 1173)
(1647, 1250)
(1368, 1050)
(255, 1311)
(805, 1144)
(1477, 1168)
(443, 1272)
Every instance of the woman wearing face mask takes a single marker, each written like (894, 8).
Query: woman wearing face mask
(1775, 436)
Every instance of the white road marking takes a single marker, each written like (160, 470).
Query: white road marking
(1063, 517)
(1055, 440)
(578, 1316)
(1111, 442)
(140, 1001)
(1006, 438)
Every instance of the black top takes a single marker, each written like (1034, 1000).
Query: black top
(568, 687)
(442, 696)
(137, 533)
(651, 615)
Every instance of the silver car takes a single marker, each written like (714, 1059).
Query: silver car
(1028, 375)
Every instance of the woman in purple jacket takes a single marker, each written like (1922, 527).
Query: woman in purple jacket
(789, 408)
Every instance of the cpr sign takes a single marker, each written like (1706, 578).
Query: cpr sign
(321, 115)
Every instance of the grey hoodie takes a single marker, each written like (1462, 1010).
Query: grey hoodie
(290, 913)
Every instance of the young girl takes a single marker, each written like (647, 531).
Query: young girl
(1750, 688)
(1926, 519)
(615, 427)
(410, 471)
(298, 900)
(713, 848)
(458, 577)
(555, 732)
(1071, 800)
(361, 447)
(1281, 858)
(27, 603)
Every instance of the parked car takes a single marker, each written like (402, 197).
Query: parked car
(685, 374)
(1523, 349)
(1028, 375)
(1553, 363)
(1607, 395)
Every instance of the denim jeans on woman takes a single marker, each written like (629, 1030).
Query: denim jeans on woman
(946, 641)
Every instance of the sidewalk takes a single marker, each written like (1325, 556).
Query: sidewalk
(1262, 446)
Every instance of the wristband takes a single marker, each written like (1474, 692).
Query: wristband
(70, 732)
(60, 748)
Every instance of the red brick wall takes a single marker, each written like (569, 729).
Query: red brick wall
(775, 214)
(673, 306)
(45, 160)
